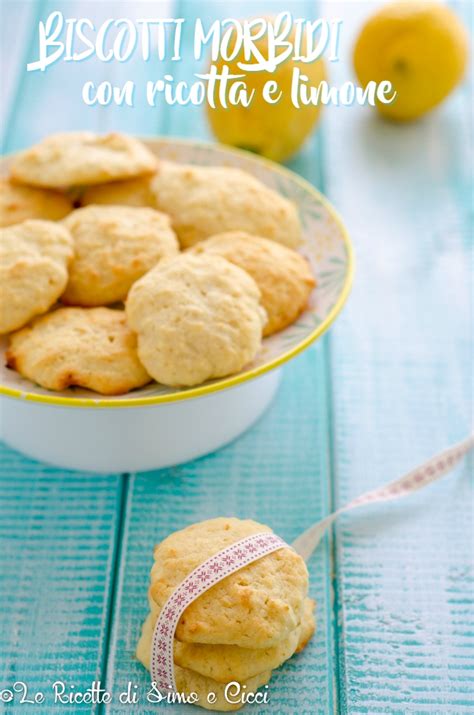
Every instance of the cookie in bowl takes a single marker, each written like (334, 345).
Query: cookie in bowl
(114, 246)
(81, 158)
(205, 200)
(34, 259)
(283, 276)
(85, 347)
(130, 192)
(196, 318)
(19, 203)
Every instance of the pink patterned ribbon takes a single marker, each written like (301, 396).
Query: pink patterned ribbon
(418, 478)
(203, 577)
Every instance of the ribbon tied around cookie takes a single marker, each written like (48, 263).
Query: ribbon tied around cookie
(216, 568)
(252, 548)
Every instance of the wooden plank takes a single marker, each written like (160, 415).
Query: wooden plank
(58, 549)
(402, 390)
(277, 473)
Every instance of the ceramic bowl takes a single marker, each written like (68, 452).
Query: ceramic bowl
(158, 426)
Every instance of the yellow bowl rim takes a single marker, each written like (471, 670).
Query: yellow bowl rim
(233, 380)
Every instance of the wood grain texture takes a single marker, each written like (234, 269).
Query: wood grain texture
(402, 390)
(58, 548)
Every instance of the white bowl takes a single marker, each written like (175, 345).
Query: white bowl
(158, 426)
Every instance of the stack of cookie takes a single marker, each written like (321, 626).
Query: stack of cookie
(165, 272)
(239, 630)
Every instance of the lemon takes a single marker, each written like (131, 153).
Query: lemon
(275, 131)
(420, 47)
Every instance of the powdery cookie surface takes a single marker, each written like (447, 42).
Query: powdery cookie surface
(91, 348)
(256, 607)
(19, 203)
(131, 192)
(34, 256)
(203, 201)
(76, 158)
(225, 663)
(114, 246)
(197, 318)
(283, 275)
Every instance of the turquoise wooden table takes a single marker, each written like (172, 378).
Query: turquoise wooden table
(389, 386)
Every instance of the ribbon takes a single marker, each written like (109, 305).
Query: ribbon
(420, 477)
(245, 551)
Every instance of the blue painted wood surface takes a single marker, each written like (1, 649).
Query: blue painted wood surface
(390, 385)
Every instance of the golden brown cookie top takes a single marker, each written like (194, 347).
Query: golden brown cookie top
(197, 318)
(114, 246)
(78, 158)
(87, 347)
(34, 256)
(283, 275)
(19, 203)
(131, 192)
(205, 200)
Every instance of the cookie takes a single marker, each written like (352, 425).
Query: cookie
(131, 192)
(224, 663)
(114, 246)
(19, 203)
(308, 625)
(224, 698)
(91, 348)
(283, 276)
(256, 607)
(203, 201)
(197, 318)
(34, 256)
(78, 158)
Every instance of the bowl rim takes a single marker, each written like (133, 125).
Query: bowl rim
(232, 380)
